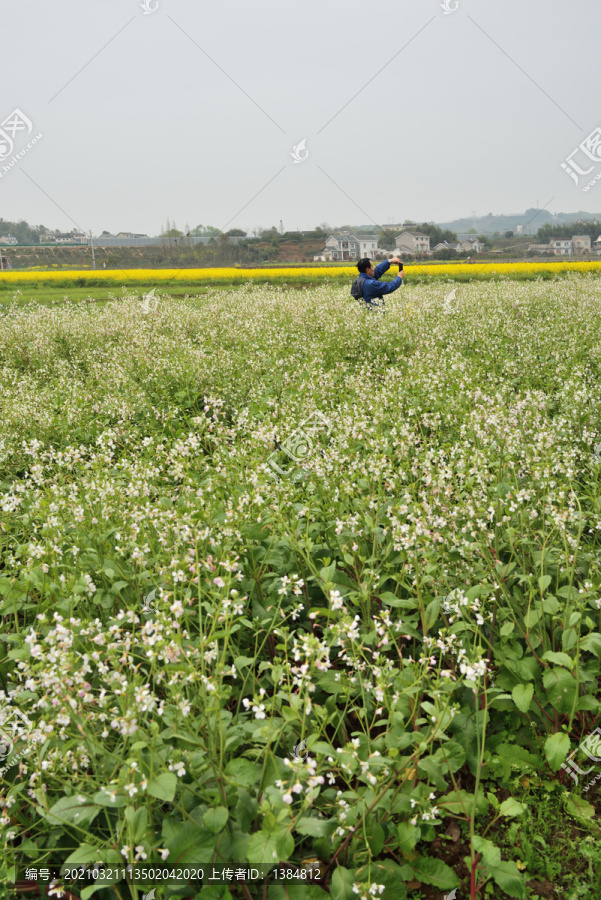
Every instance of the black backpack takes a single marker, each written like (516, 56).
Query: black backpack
(357, 288)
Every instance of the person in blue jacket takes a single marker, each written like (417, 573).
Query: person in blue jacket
(373, 288)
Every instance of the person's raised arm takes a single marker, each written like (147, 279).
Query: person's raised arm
(386, 287)
(383, 267)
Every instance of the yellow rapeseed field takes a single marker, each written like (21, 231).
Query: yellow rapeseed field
(461, 271)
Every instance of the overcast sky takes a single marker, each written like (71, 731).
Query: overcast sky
(191, 112)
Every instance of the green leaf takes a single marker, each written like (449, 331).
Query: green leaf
(506, 874)
(163, 786)
(262, 848)
(408, 836)
(76, 810)
(242, 662)
(512, 807)
(139, 823)
(560, 659)
(284, 843)
(551, 605)
(557, 747)
(434, 871)
(375, 839)
(592, 643)
(432, 768)
(508, 877)
(246, 810)
(432, 611)
(460, 803)
(491, 855)
(314, 827)
(588, 702)
(102, 798)
(188, 843)
(522, 696)
(579, 807)
(532, 617)
(390, 600)
(451, 756)
(216, 819)
(85, 853)
(342, 884)
(562, 688)
(569, 639)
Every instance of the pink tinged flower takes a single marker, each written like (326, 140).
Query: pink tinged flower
(177, 609)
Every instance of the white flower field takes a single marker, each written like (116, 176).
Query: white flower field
(293, 586)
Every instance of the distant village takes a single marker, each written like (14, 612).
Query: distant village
(20, 244)
(408, 243)
(577, 245)
(345, 245)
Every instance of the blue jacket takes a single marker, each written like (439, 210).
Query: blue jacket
(373, 289)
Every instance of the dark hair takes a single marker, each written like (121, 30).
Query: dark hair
(364, 264)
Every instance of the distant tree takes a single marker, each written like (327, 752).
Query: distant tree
(437, 235)
(387, 239)
(445, 254)
(472, 231)
(509, 234)
(24, 233)
(205, 231)
(235, 232)
(548, 231)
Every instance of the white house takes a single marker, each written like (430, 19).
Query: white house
(368, 245)
(343, 246)
(8, 239)
(73, 237)
(418, 243)
(348, 246)
(471, 245)
(597, 244)
(561, 246)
